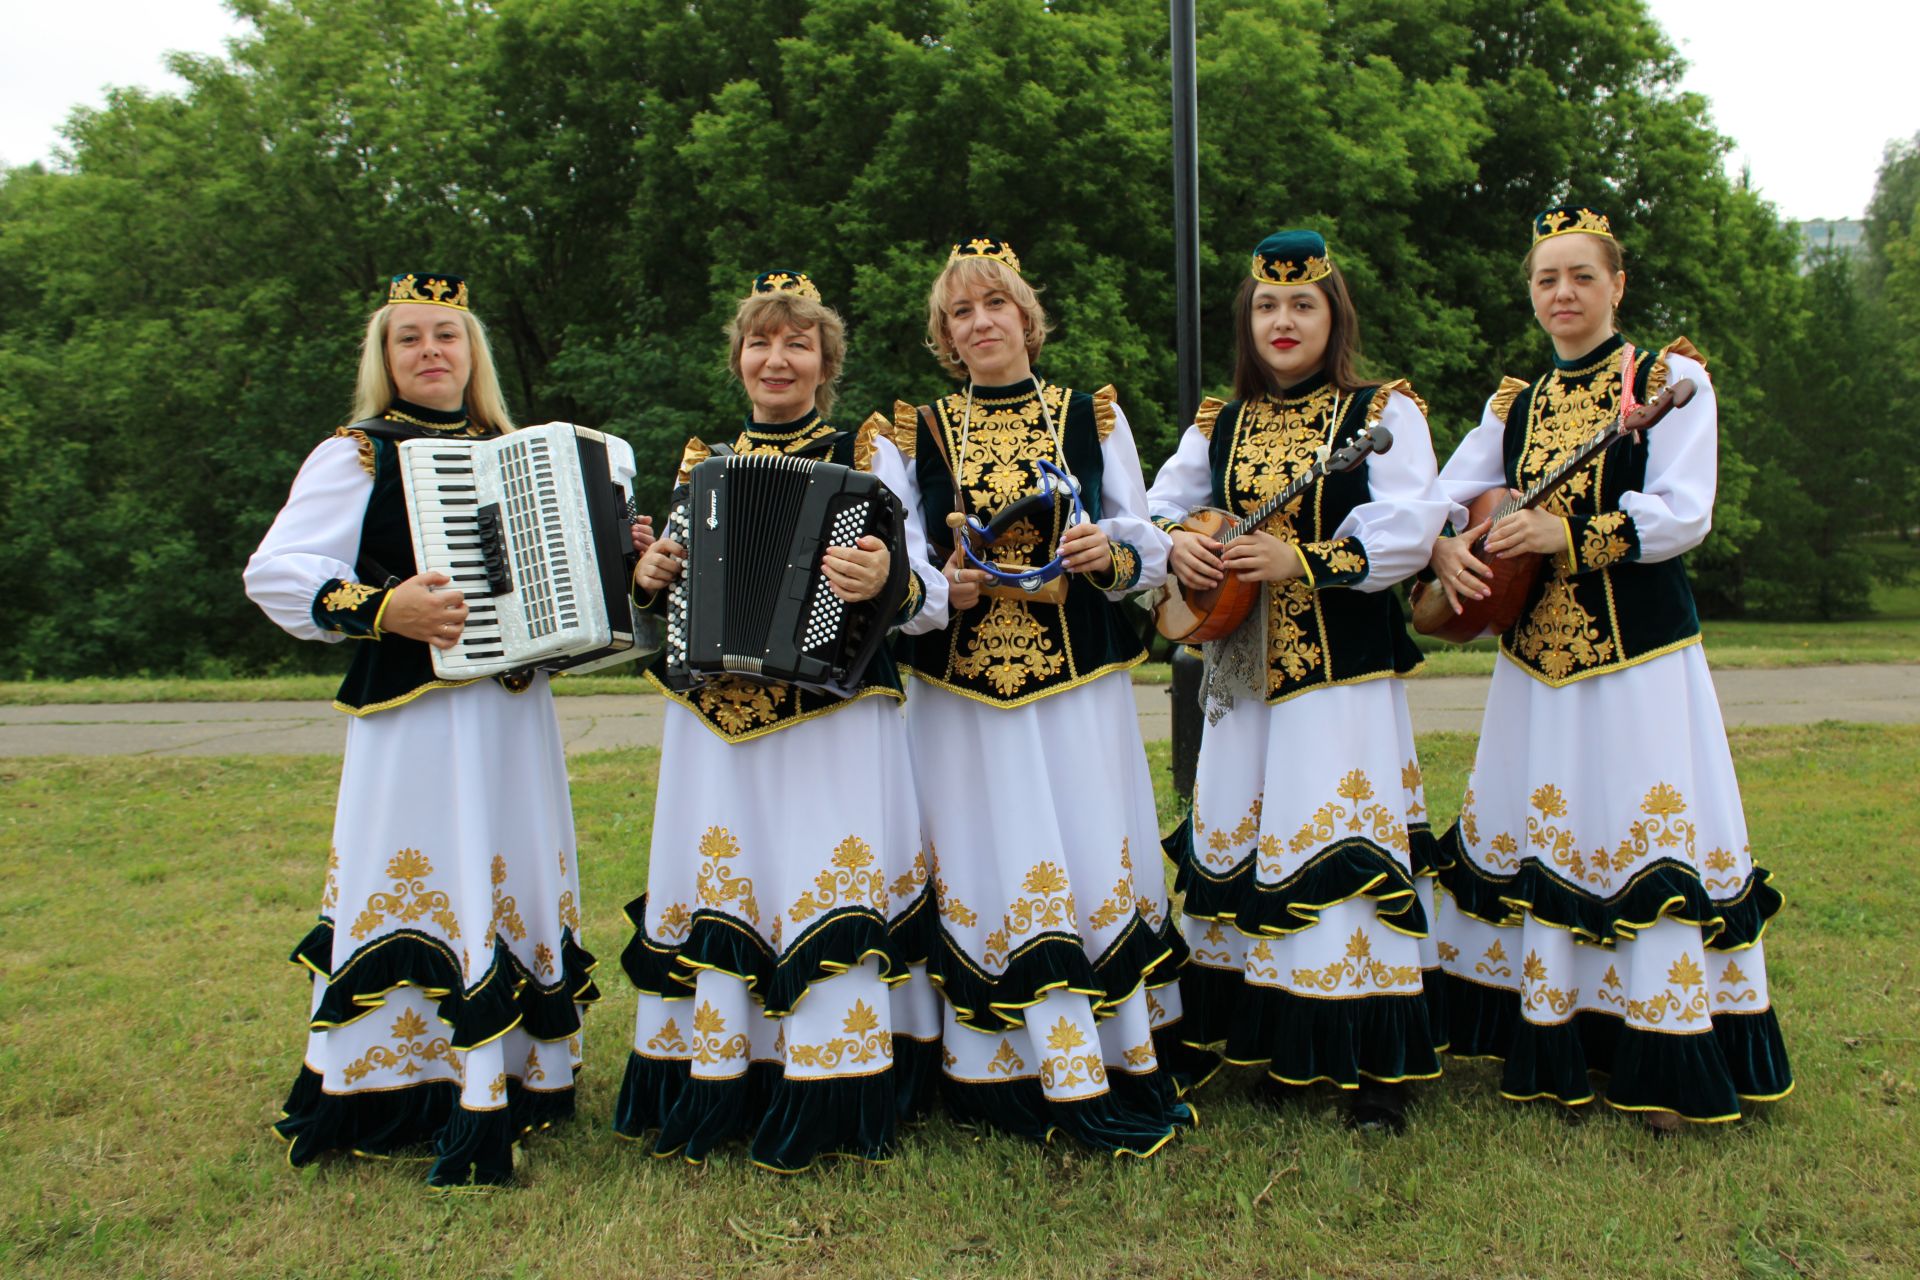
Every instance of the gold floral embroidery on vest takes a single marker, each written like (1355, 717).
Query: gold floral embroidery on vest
(1005, 1061)
(1359, 969)
(411, 1047)
(1338, 557)
(1063, 1068)
(1601, 544)
(1733, 977)
(1009, 648)
(1047, 905)
(718, 884)
(863, 1043)
(1376, 819)
(506, 914)
(1272, 443)
(1559, 634)
(1493, 962)
(347, 597)
(1292, 651)
(674, 923)
(854, 879)
(1686, 1004)
(410, 902)
(711, 1044)
(736, 704)
(1536, 993)
(909, 883)
(1003, 440)
(668, 1039)
(1564, 413)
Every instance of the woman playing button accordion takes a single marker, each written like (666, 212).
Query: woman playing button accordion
(1056, 953)
(1300, 860)
(1602, 908)
(780, 947)
(448, 975)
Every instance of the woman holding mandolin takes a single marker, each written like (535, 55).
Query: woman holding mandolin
(1300, 862)
(1602, 909)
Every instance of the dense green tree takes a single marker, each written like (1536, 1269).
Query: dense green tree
(180, 299)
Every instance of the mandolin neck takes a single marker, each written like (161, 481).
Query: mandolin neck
(1544, 487)
(1258, 516)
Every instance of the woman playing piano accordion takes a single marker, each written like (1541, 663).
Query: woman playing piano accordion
(1602, 909)
(448, 976)
(1301, 859)
(780, 947)
(1056, 951)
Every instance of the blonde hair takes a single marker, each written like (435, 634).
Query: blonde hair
(374, 394)
(762, 313)
(990, 273)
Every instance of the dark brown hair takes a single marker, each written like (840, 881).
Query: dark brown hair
(1252, 377)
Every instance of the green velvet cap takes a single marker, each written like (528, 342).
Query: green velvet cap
(429, 287)
(1291, 257)
(1567, 218)
(982, 247)
(786, 282)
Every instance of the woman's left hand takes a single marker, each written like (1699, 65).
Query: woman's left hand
(1524, 531)
(1086, 549)
(642, 534)
(1261, 557)
(858, 572)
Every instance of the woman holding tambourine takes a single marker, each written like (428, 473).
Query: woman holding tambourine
(1057, 953)
(1300, 862)
(1602, 912)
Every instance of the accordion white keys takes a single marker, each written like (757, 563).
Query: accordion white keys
(533, 526)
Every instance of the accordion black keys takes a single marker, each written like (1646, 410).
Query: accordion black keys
(753, 600)
(534, 528)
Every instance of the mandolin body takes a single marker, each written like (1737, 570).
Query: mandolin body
(1512, 581)
(1191, 617)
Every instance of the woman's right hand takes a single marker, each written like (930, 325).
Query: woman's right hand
(1195, 560)
(1455, 566)
(660, 565)
(963, 584)
(418, 612)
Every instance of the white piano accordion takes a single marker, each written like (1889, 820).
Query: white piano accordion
(533, 526)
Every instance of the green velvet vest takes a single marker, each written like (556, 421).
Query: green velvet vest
(1006, 652)
(734, 707)
(1597, 606)
(1320, 630)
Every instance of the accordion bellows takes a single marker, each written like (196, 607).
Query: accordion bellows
(753, 600)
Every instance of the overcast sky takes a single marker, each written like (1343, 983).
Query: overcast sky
(1810, 92)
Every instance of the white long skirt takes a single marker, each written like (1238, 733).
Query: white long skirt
(1306, 889)
(1056, 954)
(449, 977)
(780, 947)
(1602, 910)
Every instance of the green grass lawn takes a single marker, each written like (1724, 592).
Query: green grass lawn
(149, 1027)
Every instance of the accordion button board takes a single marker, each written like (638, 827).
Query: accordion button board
(533, 527)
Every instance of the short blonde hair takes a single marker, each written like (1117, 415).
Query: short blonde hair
(961, 273)
(374, 394)
(761, 313)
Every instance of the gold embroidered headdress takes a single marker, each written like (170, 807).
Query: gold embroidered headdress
(422, 286)
(786, 282)
(982, 247)
(1291, 257)
(1568, 218)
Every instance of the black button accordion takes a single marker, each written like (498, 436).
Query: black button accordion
(753, 600)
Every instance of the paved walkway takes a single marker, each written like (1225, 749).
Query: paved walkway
(1876, 694)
